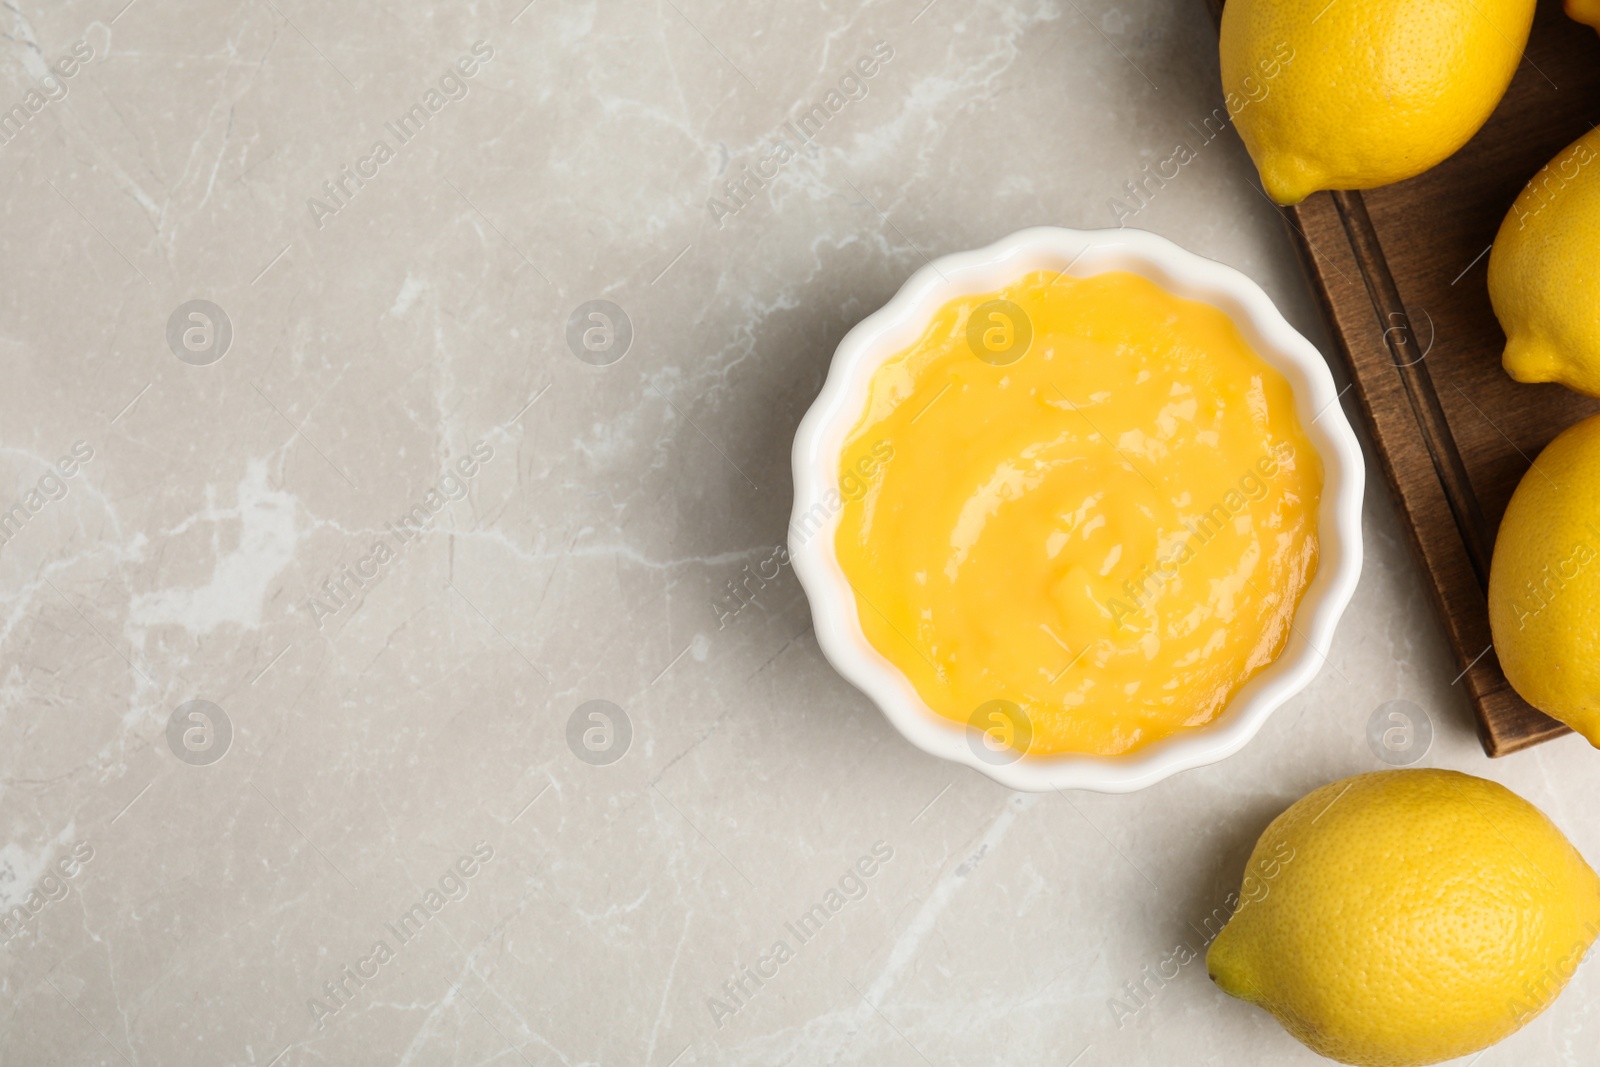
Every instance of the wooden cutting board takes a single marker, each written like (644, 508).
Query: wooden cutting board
(1401, 273)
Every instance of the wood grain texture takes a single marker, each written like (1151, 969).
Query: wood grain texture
(1401, 274)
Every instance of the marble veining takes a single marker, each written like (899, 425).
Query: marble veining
(241, 747)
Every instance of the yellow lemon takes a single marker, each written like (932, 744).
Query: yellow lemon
(1544, 582)
(1352, 94)
(1402, 918)
(1544, 277)
(1584, 11)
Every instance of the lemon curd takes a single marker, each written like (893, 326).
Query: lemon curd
(1087, 499)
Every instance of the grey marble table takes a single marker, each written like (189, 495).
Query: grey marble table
(298, 760)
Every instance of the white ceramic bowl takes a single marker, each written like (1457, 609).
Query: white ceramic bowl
(820, 440)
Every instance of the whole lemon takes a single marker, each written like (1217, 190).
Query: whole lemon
(1544, 278)
(1352, 94)
(1407, 917)
(1544, 582)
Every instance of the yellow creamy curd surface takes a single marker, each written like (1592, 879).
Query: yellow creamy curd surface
(1094, 502)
